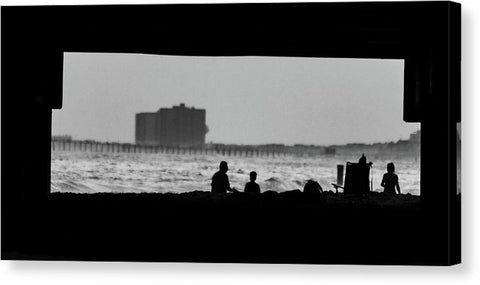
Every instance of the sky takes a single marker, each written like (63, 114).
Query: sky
(248, 100)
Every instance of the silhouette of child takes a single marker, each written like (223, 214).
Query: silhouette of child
(252, 187)
(390, 180)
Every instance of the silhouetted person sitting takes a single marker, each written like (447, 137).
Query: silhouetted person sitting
(390, 180)
(220, 183)
(312, 187)
(252, 187)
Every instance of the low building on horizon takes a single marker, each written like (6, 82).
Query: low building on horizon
(177, 126)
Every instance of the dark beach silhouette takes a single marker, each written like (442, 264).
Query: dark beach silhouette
(390, 180)
(196, 226)
(252, 187)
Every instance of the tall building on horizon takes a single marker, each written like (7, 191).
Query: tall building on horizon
(176, 126)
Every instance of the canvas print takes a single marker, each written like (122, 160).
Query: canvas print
(332, 139)
(254, 133)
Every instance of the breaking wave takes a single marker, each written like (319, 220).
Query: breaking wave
(85, 172)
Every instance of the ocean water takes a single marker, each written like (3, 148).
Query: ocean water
(90, 172)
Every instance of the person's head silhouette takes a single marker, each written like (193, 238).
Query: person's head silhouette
(253, 176)
(363, 159)
(223, 166)
(390, 167)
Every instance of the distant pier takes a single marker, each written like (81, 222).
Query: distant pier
(208, 149)
(399, 149)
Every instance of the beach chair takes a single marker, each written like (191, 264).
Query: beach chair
(356, 179)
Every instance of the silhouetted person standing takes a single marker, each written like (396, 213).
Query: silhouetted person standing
(252, 187)
(220, 183)
(390, 180)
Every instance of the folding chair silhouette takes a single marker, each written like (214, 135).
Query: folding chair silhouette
(356, 179)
